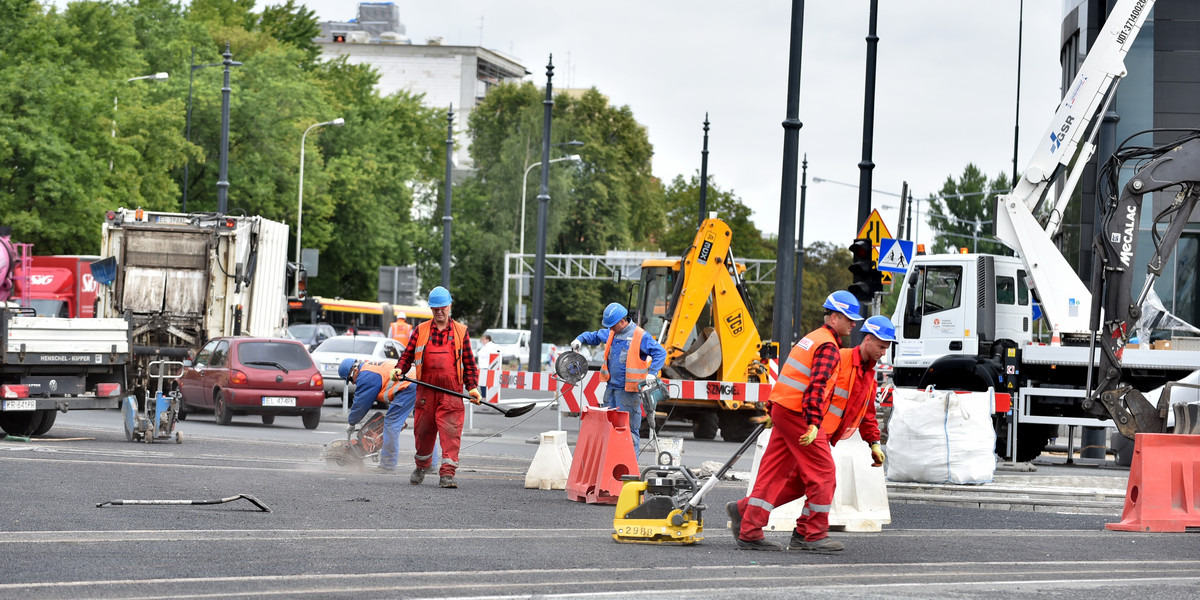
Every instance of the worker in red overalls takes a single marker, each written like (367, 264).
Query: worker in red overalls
(440, 353)
(797, 460)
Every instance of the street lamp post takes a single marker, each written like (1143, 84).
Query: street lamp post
(524, 181)
(338, 122)
(155, 76)
(223, 170)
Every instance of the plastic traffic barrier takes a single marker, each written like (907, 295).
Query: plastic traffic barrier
(603, 454)
(1163, 494)
(551, 463)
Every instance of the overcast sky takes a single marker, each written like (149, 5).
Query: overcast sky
(945, 89)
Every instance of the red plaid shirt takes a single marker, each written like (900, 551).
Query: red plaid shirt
(825, 362)
(442, 337)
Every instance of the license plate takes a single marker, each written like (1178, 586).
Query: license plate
(278, 401)
(20, 405)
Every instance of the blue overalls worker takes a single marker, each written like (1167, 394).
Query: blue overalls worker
(623, 371)
(372, 382)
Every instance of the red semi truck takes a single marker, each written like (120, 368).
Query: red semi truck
(57, 286)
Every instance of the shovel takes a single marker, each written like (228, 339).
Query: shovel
(508, 412)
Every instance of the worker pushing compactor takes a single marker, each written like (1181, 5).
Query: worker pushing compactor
(825, 392)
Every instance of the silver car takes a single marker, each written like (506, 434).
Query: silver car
(334, 350)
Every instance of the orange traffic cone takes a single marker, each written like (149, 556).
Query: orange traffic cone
(1055, 340)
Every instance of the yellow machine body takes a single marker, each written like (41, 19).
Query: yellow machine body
(652, 530)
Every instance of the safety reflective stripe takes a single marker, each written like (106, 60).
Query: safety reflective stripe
(820, 508)
(763, 504)
(453, 463)
(798, 385)
(424, 456)
(637, 371)
(418, 357)
(799, 366)
(836, 410)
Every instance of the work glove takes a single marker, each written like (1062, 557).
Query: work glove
(808, 438)
(576, 345)
(350, 428)
(651, 379)
(475, 397)
(765, 420)
(877, 455)
(397, 375)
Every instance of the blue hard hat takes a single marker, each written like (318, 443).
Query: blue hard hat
(345, 368)
(845, 303)
(439, 297)
(612, 314)
(880, 327)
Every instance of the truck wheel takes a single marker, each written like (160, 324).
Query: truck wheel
(735, 425)
(1032, 439)
(704, 425)
(311, 418)
(221, 410)
(20, 423)
(48, 417)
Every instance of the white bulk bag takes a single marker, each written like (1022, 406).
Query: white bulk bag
(941, 437)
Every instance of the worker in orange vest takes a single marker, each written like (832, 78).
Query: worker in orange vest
(400, 329)
(797, 460)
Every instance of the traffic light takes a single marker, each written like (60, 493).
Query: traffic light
(867, 279)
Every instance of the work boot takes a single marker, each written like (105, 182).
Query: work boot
(447, 481)
(418, 475)
(825, 545)
(383, 471)
(735, 517)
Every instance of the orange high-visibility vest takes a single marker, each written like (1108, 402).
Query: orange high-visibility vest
(796, 374)
(843, 390)
(636, 369)
(384, 368)
(400, 331)
(459, 335)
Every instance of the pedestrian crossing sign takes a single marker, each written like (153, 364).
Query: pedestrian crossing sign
(895, 255)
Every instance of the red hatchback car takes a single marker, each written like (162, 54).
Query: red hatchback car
(253, 376)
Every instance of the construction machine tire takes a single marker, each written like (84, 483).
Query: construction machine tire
(705, 425)
(20, 423)
(49, 415)
(736, 425)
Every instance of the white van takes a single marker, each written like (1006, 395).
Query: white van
(514, 346)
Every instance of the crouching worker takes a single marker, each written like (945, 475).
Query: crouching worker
(373, 383)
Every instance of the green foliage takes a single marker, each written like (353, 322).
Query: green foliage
(962, 213)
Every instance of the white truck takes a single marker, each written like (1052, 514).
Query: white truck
(965, 321)
(182, 279)
(51, 365)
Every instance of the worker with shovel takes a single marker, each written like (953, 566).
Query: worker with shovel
(373, 383)
(440, 353)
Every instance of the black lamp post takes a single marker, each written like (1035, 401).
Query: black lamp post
(223, 176)
(781, 328)
(446, 218)
(539, 267)
(797, 301)
(704, 174)
(188, 129)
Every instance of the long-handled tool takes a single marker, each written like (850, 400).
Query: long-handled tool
(658, 508)
(252, 499)
(508, 412)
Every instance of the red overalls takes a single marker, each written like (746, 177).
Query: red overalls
(437, 413)
(788, 470)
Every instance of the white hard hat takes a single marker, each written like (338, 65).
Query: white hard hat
(401, 316)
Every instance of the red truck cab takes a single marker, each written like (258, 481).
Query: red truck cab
(58, 286)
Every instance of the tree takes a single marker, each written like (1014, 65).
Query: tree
(963, 213)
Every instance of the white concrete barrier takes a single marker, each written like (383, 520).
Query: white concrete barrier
(551, 464)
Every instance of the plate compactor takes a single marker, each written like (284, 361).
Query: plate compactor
(662, 505)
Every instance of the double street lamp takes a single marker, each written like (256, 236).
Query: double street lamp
(338, 122)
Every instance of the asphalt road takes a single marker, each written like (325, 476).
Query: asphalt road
(342, 534)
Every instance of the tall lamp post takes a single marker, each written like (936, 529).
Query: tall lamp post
(155, 76)
(524, 180)
(539, 266)
(223, 171)
(338, 122)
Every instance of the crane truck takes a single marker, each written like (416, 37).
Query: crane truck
(183, 279)
(698, 308)
(965, 321)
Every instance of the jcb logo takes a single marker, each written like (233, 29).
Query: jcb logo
(723, 389)
(736, 323)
